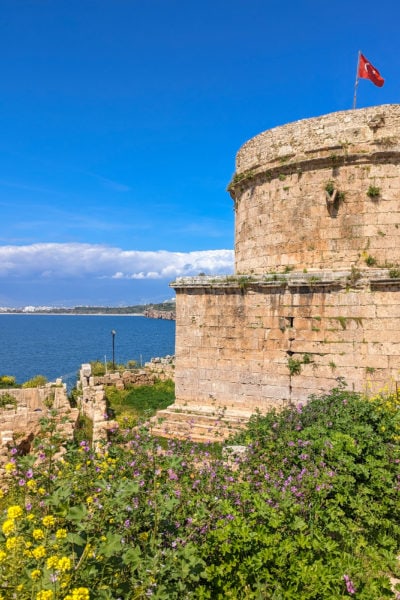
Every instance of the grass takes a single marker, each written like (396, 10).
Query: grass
(140, 401)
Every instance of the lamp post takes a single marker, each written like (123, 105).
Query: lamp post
(113, 332)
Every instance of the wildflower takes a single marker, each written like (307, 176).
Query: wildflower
(3, 555)
(38, 534)
(349, 585)
(35, 574)
(48, 521)
(39, 552)
(12, 542)
(8, 526)
(64, 564)
(13, 512)
(45, 595)
(9, 467)
(52, 562)
(78, 594)
(61, 534)
(31, 484)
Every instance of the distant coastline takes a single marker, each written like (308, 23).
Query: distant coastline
(165, 310)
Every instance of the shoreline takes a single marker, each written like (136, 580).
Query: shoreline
(68, 314)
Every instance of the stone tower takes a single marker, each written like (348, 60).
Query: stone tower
(316, 290)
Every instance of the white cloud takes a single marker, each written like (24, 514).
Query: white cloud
(53, 261)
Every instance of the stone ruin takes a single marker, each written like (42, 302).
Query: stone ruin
(20, 419)
(315, 295)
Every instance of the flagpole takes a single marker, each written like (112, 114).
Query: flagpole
(356, 83)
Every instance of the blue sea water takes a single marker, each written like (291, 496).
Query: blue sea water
(56, 345)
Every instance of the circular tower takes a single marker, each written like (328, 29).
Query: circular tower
(320, 194)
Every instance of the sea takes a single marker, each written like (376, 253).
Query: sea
(56, 345)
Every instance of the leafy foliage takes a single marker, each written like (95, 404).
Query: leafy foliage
(37, 381)
(7, 381)
(310, 512)
(140, 401)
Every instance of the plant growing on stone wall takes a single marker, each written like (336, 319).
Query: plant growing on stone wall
(330, 187)
(37, 381)
(7, 381)
(294, 366)
(355, 275)
(7, 399)
(373, 191)
(370, 261)
(394, 273)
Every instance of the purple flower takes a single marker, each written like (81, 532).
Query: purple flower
(349, 585)
(127, 523)
(14, 451)
(21, 482)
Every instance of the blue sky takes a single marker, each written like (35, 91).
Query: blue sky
(120, 121)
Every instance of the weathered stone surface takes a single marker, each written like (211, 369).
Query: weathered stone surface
(317, 255)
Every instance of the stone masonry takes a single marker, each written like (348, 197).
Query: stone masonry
(316, 290)
(20, 420)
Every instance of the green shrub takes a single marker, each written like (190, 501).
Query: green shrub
(7, 381)
(7, 399)
(311, 511)
(37, 381)
(373, 191)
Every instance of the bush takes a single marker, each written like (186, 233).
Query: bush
(37, 381)
(7, 381)
(310, 512)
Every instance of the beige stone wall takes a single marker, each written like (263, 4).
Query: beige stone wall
(284, 216)
(234, 346)
(316, 295)
(20, 422)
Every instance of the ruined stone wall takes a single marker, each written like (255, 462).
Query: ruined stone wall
(19, 421)
(284, 215)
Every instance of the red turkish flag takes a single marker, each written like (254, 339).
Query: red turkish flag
(368, 71)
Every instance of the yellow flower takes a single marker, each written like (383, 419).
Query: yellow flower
(9, 467)
(38, 534)
(31, 484)
(61, 533)
(8, 526)
(78, 594)
(35, 574)
(12, 543)
(48, 521)
(41, 491)
(39, 552)
(89, 500)
(64, 564)
(1, 494)
(3, 555)
(45, 595)
(30, 517)
(52, 562)
(14, 512)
